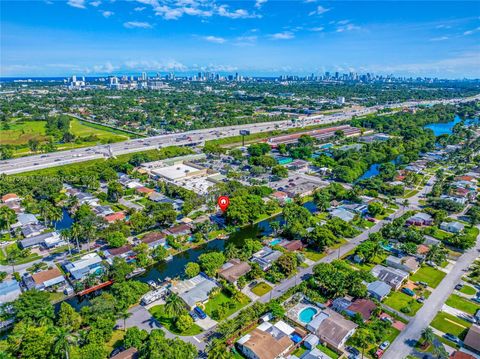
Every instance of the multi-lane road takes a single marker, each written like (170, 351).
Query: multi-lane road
(31, 163)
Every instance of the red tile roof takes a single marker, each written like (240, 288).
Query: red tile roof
(118, 216)
(144, 190)
(153, 237)
(364, 307)
(9, 196)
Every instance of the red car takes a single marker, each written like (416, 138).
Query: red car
(379, 353)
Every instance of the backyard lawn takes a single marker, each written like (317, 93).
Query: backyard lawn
(448, 323)
(463, 304)
(328, 351)
(229, 305)
(466, 289)
(429, 275)
(261, 288)
(168, 322)
(399, 301)
(116, 340)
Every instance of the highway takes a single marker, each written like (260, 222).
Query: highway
(195, 137)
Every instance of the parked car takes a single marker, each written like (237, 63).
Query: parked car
(451, 337)
(420, 299)
(476, 299)
(352, 350)
(194, 315)
(200, 313)
(459, 286)
(387, 319)
(423, 284)
(384, 345)
(379, 353)
(408, 291)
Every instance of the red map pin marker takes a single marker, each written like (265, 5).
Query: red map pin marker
(223, 202)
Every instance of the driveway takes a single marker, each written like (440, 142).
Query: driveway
(403, 344)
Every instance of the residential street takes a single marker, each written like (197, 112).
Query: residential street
(402, 345)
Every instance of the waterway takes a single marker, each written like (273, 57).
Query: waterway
(443, 128)
(175, 267)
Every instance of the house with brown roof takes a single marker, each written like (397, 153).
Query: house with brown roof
(280, 196)
(408, 264)
(154, 239)
(10, 197)
(461, 355)
(48, 278)
(178, 231)
(364, 307)
(332, 328)
(293, 246)
(233, 270)
(267, 341)
(117, 216)
(130, 353)
(122, 252)
(144, 190)
(472, 340)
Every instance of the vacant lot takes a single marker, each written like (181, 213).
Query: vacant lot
(168, 322)
(104, 134)
(221, 305)
(448, 323)
(403, 303)
(21, 132)
(429, 275)
(261, 289)
(463, 304)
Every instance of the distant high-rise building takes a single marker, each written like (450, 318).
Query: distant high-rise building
(144, 76)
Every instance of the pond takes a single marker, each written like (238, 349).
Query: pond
(66, 221)
(444, 128)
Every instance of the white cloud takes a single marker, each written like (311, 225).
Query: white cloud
(319, 28)
(348, 27)
(139, 8)
(319, 10)
(223, 11)
(441, 38)
(309, 1)
(470, 32)
(137, 24)
(259, 3)
(154, 65)
(214, 39)
(286, 35)
(79, 4)
(96, 3)
(105, 68)
(246, 40)
(107, 14)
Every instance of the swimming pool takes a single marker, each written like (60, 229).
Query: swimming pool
(275, 241)
(307, 314)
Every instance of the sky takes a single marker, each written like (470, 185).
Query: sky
(251, 37)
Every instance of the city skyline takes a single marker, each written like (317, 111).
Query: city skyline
(255, 38)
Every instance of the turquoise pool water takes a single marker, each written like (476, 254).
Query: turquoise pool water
(274, 242)
(307, 314)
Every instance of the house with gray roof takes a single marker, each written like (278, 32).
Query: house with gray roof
(343, 214)
(194, 290)
(9, 291)
(47, 240)
(392, 276)
(378, 289)
(265, 257)
(452, 227)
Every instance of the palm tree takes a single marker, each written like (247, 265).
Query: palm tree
(45, 210)
(12, 255)
(428, 335)
(7, 217)
(275, 226)
(75, 233)
(125, 315)
(63, 340)
(174, 305)
(72, 203)
(65, 235)
(56, 215)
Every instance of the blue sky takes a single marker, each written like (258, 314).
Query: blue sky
(262, 37)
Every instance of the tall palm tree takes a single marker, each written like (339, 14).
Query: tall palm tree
(125, 315)
(428, 335)
(7, 217)
(174, 305)
(56, 215)
(63, 341)
(65, 235)
(75, 233)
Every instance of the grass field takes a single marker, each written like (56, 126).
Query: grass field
(104, 134)
(261, 288)
(228, 303)
(428, 275)
(116, 341)
(463, 304)
(399, 300)
(168, 322)
(448, 323)
(21, 132)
